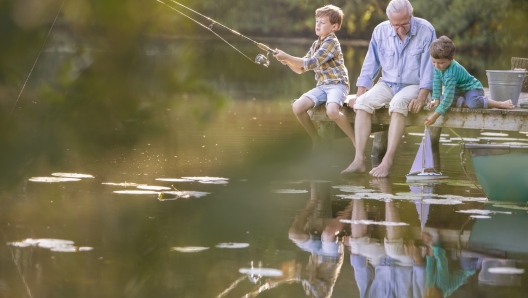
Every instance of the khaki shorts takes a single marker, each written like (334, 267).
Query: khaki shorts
(381, 95)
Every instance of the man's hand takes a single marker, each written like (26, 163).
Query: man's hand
(352, 100)
(416, 105)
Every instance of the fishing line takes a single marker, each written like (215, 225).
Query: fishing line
(208, 28)
(24, 86)
(260, 59)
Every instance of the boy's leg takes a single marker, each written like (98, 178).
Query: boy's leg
(300, 109)
(336, 96)
(475, 99)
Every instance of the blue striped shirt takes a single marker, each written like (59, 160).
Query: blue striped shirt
(455, 79)
(325, 58)
(402, 63)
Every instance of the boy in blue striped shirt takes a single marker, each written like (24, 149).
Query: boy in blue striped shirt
(457, 83)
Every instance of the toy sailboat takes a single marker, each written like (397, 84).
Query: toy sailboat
(423, 166)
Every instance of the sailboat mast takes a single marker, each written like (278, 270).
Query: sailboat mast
(423, 149)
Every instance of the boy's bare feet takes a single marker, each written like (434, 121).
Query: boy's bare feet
(506, 104)
(356, 167)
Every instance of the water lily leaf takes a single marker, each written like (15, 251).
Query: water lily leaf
(72, 175)
(52, 179)
(232, 245)
(261, 271)
(189, 248)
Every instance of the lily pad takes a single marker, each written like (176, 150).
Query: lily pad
(72, 175)
(232, 245)
(175, 180)
(506, 270)
(189, 248)
(290, 191)
(52, 179)
(137, 192)
(261, 271)
(125, 184)
(442, 201)
(153, 187)
(372, 222)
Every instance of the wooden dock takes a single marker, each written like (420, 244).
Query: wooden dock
(488, 119)
(483, 119)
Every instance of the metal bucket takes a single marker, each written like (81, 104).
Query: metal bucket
(505, 84)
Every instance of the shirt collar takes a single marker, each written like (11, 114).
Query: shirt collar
(331, 35)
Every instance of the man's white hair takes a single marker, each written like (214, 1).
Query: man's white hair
(396, 6)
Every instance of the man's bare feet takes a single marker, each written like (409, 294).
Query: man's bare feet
(506, 104)
(381, 171)
(356, 167)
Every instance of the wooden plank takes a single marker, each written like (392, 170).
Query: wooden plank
(488, 119)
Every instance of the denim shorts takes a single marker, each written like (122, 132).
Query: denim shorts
(328, 93)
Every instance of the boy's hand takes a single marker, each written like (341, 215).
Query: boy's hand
(280, 55)
(433, 103)
(431, 119)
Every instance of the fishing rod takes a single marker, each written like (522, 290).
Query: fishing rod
(260, 59)
(35, 63)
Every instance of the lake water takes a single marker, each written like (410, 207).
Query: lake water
(206, 187)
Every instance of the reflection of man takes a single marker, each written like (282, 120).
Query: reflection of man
(388, 269)
(400, 47)
(312, 234)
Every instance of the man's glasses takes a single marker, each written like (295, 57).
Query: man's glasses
(398, 26)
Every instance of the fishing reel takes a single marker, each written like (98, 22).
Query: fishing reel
(261, 59)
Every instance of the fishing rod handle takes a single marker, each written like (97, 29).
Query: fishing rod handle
(266, 48)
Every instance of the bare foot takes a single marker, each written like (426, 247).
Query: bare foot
(357, 167)
(381, 171)
(506, 104)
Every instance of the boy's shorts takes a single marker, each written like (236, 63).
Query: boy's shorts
(328, 93)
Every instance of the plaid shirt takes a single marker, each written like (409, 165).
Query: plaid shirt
(326, 60)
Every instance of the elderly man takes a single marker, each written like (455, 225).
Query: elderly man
(400, 47)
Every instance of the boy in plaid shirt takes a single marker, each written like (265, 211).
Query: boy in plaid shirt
(326, 60)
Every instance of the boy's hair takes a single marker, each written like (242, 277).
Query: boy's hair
(399, 6)
(442, 48)
(335, 14)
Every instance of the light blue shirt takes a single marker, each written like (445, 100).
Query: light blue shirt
(402, 63)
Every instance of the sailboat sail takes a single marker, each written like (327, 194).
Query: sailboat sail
(424, 157)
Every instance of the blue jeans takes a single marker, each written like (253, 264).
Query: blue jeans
(474, 99)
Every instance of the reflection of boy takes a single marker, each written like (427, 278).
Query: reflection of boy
(440, 282)
(326, 60)
(457, 83)
(326, 257)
